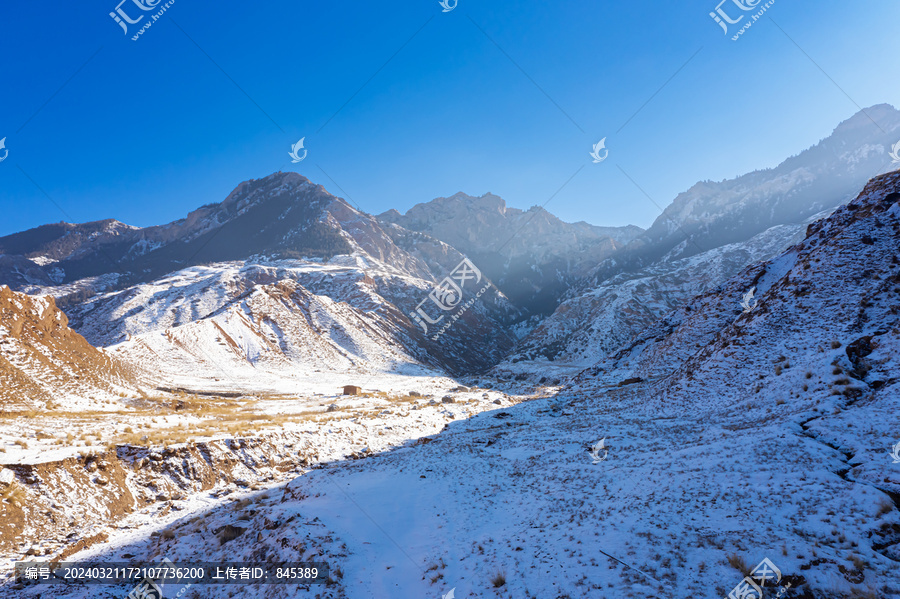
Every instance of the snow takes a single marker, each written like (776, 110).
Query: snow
(513, 490)
(731, 435)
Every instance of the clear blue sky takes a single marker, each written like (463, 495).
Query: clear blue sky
(148, 130)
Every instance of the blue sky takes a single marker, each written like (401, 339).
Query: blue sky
(400, 102)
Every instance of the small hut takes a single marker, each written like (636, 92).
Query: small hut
(352, 390)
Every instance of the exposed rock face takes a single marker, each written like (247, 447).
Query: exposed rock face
(51, 501)
(712, 214)
(532, 255)
(43, 362)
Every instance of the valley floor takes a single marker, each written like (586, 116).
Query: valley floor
(507, 501)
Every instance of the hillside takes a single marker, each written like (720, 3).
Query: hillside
(706, 235)
(45, 364)
(590, 326)
(260, 327)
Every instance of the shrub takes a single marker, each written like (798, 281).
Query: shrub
(229, 533)
(858, 562)
(498, 580)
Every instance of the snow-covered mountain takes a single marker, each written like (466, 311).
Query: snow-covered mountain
(129, 285)
(829, 303)
(712, 214)
(590, 326)
(348, 294)
(283, 214)
(730, 224)
(532, 255)
(264, 323)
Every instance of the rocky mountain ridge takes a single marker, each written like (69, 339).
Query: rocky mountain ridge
(45, 364)
(708, 234)
(532, 255)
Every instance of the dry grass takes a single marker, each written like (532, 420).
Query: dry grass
(858, 562)
(200, 418)
(868, 593)
(14, 494)
(738, 563)
(229, 533)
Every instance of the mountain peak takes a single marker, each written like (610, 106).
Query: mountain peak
(277, 179)
(880, 115)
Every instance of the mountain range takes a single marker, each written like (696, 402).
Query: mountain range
(468, 385)
(728, 436)
(708, 234)
(282, 272)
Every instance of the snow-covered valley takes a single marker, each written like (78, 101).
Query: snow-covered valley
(663, 431)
